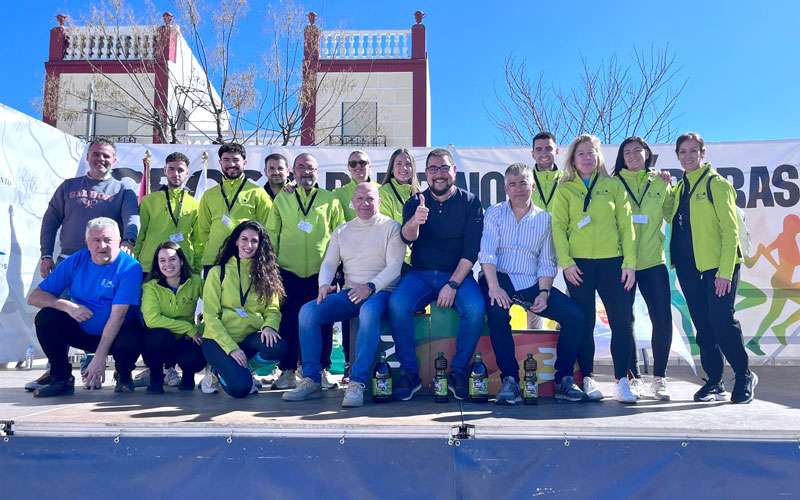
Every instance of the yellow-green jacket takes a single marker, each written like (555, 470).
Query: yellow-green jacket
(163, 308)
(157, 226)
(548, 181)
(300, 251)
(715, 228)
(391, 206)
(253, 203)
(223, 324)
(656, 207)
(610, 232)
(345, 196)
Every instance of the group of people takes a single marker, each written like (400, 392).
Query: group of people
(282, 263)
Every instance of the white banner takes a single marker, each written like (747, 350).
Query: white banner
(764, 173)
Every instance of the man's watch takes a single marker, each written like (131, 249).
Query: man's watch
(452, 284)
(46, 257)
(546, 290)
(130, 242)
(371, 287)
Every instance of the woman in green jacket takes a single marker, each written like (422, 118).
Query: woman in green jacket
(399, 184)
(704, 248)
(594, 240)
(169, 300)
(241, 308)
(650, 195)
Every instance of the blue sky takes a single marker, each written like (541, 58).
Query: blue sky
(740, 58)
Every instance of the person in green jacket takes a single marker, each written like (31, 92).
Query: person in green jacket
(545, 172)
(181, 209)
(276, 170)
(399, 184)
(595, 246)
(300, 226)
(359, 168)
(704, 249)
(225, 205)
(169, 300)
(651, 200)
(241, 308)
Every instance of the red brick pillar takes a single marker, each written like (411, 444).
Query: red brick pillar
(308, 94)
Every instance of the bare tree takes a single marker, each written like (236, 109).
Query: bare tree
(612, 100)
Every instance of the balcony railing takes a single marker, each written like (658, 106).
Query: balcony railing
(125, 43)
(357, 140)
(371, 44)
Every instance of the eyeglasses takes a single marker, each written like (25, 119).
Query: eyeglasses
(441, 169)
(355, 163)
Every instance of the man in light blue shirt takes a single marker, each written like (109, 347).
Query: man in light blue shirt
(101, 315)
(518, 262)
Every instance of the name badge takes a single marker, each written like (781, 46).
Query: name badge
(176, 238)
(640, 218)
(584, 222)
(226, 220)
(241, 312)
(305, 226)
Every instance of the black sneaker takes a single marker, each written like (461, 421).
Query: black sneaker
(126, 385)
(711, 391)
(43, 380)
(346, 375)
(56, 388)
(744, 389)
(406, 386)
(458, 386)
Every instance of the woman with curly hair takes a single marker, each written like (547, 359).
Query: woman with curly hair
(241, 308)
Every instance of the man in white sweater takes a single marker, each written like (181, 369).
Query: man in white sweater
(371, 252)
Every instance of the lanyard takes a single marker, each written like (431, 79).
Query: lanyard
(588, 197)
(396, 194)
(172, 215)
(691, 190)
(541, 193)
(633, 196)
(307, 208)
(242, 295)
(235, 196)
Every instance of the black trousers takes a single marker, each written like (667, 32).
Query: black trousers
(57, 332)
(298, 292)
(161, 347)
(718, 332)
(603, 276)
(235, 379)
(653, 282)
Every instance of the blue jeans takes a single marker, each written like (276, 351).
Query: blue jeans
(337, 307)
(418, 289)
(235, 379)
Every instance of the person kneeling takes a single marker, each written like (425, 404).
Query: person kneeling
(240, 324)
(371, 252)
(169, 301)
(104, 288)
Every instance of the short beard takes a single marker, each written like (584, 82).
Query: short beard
(225, 173)
(438, 192)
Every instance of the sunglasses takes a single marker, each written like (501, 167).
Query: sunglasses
(357, 163)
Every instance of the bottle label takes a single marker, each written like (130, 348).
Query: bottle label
(440, 386)
(478, 387)
(382, 387)
(531, 389)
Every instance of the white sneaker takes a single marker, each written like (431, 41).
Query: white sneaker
(142, 379)
(306, 389)
(171, 377)
(287, 380)
(326, 381)
(353, 395)
(210, 383)
(637, 387)
(623, 393)
(660, 389)
(591, 389)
